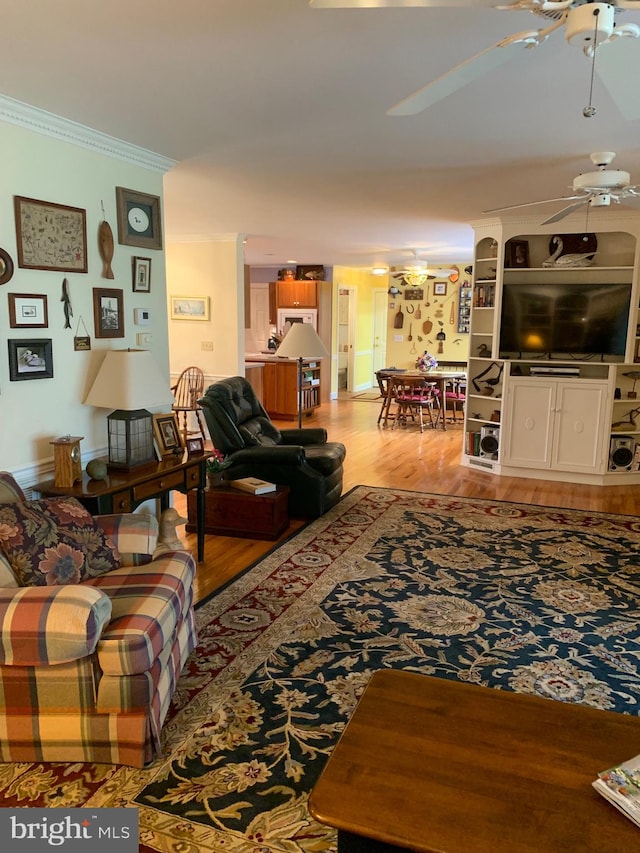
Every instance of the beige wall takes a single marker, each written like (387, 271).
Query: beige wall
(214, 269)
(35, 412)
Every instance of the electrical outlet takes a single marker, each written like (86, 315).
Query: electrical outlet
(207, 346)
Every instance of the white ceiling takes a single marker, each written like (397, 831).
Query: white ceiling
(276, 114)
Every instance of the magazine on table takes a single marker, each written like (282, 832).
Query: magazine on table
(620, 785)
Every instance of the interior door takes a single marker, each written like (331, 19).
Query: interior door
(257, 335)
(380, 311)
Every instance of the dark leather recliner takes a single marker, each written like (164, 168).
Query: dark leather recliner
(302, 459)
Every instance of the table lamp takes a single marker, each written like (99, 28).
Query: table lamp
(128, 381)
(301, 342)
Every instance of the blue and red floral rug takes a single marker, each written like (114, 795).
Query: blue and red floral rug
(514, 597)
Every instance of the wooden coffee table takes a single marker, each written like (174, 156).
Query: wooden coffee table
(427, 764)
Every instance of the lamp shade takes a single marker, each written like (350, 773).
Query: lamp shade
(129, 379)
(302, 341)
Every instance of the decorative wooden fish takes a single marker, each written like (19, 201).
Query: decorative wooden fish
(105, 244)
(68, 310)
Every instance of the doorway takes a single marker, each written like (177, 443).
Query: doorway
(380, 312)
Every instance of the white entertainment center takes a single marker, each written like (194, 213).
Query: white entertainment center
(538, 408)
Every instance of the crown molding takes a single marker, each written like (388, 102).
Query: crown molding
(48, 124)
(233, 237)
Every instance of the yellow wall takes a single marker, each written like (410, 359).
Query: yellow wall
(400, 353)
(214, 269)
(441, 309)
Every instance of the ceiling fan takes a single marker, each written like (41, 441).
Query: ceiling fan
(587, 24)
(417, 272)
(594, 189)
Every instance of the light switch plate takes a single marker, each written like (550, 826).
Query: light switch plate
(143, 339)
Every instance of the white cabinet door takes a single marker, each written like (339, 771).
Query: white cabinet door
(579, 423)
(555, 424)
(527, 417)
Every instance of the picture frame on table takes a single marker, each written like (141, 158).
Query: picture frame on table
(167, 436)
(439, 288)
(108, 312)
(517, 254)
(28, 311)
(195, 446)
(50, 236)
(190, 308)
(141, 272)
(139, 219)
(30, 359)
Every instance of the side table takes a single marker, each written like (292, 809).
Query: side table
(123, 491)
(232, 512)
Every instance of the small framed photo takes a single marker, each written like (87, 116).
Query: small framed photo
(108, 312)
(415, 293)
(195, 446)
(167, 435)
(28, 311)
(30, 359)
(517, 254)
(141, 275)
(139, 220)
(190, 308)
(439, 288)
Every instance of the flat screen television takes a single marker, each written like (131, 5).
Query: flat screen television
(580, 321)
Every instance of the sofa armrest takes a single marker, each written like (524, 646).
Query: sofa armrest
(51, 624)
(281, 454)
(135, 535)
(309, 435)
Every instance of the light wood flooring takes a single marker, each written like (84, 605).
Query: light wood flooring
(405, 459)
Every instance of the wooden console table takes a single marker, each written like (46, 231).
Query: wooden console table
(123, 491)
(427, 764)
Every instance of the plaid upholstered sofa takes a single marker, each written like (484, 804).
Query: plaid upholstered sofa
(88, 668)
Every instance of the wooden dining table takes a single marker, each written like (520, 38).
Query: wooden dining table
(438, 378)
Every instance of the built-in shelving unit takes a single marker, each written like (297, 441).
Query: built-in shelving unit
(548, 414)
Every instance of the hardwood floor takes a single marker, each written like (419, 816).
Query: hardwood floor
(405, 459)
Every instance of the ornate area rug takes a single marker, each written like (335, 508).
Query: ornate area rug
(514, 597)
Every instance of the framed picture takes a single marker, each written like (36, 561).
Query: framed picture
(190, 308)
(313, 272)
(517, 253)
(195, 446)
(108, 312)
(141, 275)
(439, 288)
(167, 435)
(50, 236)
(413, 293)
(30, 359)
(28, 311)
(139, 221)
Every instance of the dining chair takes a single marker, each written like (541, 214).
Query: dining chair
(385, 389)
(413, 396)
(188, 389)
(455, 397)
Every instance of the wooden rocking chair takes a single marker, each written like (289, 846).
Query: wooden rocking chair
(187, 391)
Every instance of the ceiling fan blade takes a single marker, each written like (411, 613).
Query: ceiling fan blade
(613, 62)
(449, 82)
(531, 203)
(564, 212)
(391, 4)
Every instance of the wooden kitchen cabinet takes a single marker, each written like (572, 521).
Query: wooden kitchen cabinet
(297, 294)
(280, 388)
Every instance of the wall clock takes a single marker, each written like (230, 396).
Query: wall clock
(139, 219)
(6, 267)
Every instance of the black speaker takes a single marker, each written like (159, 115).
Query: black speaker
(489, 441)
(621, 452)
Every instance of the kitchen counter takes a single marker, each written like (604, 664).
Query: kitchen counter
(275, 381)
